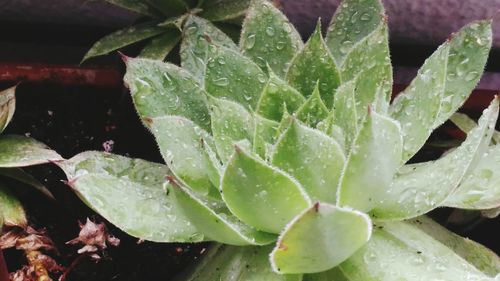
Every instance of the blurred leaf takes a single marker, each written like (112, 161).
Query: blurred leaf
(223, 10)
(161, 89)
(223, 262)
(21, 176)
(311, 157)
(260, 195)
(7, 107)
(169, 8)
(466, 124)
(215, 221)
(11, 211)
(312, 65)
(122, 38)
(140, 7)
(319, 239)
(161, 46)
(113, 185)
(267, 37)
(20, 151)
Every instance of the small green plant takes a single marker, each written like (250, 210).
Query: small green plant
(293, 158)
(163, 22)
(17, 152)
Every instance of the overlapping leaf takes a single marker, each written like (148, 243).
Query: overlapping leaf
(20, 151)
(11, 211)
(7, 106)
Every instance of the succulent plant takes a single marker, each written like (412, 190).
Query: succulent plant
(162, 23)
(293, 158)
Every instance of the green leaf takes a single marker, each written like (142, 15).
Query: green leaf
(198, 34)
(113, 185)
(231, 123)
(7, 107)
(169, 8)
(235, 77)
(183, 147)
(311, 157)
(21, 176)
(11, 211)
(369, 62)
(261, 195)
(223, 10)
(215, 221)
(401, 251)
(481, 188)
(314, 63)
(161, 89)
(161, 46)
(267, 37)
(276, 93)
(20, 151)
(136, 6)
(334, 274)
(345, 112)
(373, 160)
(313, 110)
(466, 124)
(319, 239)
(265, 135)
(223, 262)
(353, 21)
(476, 254)
(426, 186)
(417, 107)
(469, 49)
(122, 38)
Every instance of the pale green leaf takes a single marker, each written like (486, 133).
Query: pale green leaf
(231, 123)
(223, 262)
(313, 110)
(183, 147)
(161, 46)
(312, 64)
(215, 221)
(267, 37)
(319, 239)
(223, 10)
(369, 62)
(233, 76)
(11, 211)
(466, 124)
(426, 186)
(401, 251)
(160, 89)
(469, 49)
(311, 157)
(480, 189)
(373, 160)
(20, 151)
(277, 93)
(261, 195)
(122, 38)
(476, 254)
(198, 34)
(21, 176)
(344, 109)
(129, 193)
(353, 21)
(417, 107)
(140, 7)
(7, 107)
